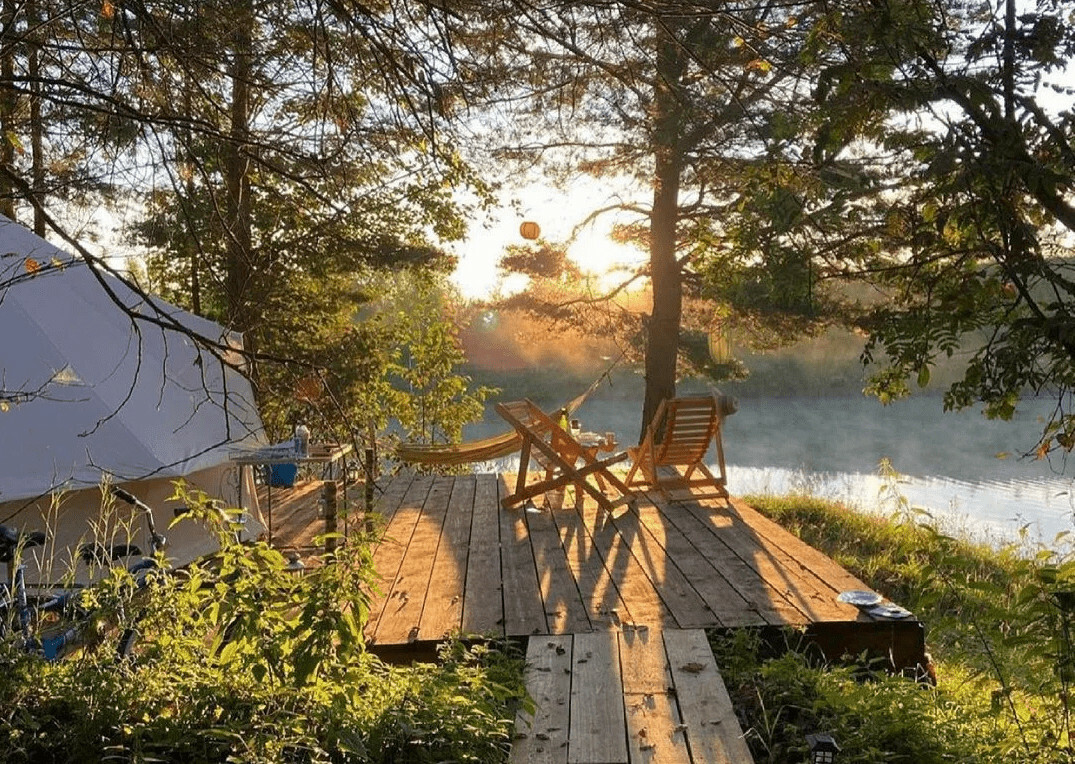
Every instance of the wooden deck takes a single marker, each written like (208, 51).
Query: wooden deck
(452, 562)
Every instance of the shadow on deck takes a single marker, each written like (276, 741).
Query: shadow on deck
(452, 562)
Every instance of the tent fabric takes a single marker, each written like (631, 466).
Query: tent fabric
(90, 392)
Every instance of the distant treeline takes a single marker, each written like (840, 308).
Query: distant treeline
(821, 366)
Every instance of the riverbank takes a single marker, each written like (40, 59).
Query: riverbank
(999, 626)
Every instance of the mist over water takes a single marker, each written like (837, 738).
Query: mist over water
(967, 471)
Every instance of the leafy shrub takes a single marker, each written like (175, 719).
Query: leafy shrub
(240, 660)
(885, 719)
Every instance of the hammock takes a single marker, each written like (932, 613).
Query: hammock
(484, 450)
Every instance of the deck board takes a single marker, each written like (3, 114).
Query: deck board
(763, 599)
(685, 604)
(616, 698)
(644, 603)
(483, 601)
(602, 599)
(524, 610)
(565, 610)
(779, 567)
(654, 726)
(711, 725)
(389, 554)
(442, 613)
(542, 737)
(598, 733)
(722, 600)
(385, 506)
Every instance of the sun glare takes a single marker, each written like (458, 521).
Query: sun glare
(592, 250)
(611, 262)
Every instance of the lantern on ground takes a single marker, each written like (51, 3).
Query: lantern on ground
(823, 748)
(529, 230)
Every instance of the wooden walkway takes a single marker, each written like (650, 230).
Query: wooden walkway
(629, 696)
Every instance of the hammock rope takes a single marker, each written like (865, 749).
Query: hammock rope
(485, 449)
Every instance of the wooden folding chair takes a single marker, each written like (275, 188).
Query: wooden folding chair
(560, 453)
(678, 438)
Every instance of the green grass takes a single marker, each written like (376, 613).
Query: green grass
(998, 633)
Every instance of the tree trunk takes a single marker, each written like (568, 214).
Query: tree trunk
(37, 128)
(238, 211)
(662, 328)
(8, 105)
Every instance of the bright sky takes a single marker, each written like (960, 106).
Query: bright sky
(557, 213)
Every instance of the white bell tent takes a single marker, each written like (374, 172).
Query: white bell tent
(89, 393)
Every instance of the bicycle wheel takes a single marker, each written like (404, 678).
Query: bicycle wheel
(127, 647)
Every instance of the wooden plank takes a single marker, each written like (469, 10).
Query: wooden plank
(443, 610)
(712, 729)
(654, 732)
(483, 603)
(682, 601)
(598, 727)
(604, 605)
(645, 664)
(524, 612)
(769, 603)
(388, 555)
(787, 574)
(403, 610)
(565, 611)
(644, 604)
(726, 605)
(542, 738)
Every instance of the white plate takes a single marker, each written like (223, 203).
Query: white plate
(859, 598)
(888, 611)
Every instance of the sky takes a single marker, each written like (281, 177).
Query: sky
(557, 213)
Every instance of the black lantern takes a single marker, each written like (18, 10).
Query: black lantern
(823, 748)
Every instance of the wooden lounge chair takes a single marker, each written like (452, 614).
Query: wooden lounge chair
(559, 453)
(672, 453)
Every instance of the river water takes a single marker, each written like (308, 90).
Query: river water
(968, 472)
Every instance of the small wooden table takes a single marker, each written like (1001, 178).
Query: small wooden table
(593, 443)
(331, 455)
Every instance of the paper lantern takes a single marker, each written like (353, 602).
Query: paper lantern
(529, 230)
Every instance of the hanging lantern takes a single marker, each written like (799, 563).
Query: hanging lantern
(720, 346)
(309, 388)
(529, 230)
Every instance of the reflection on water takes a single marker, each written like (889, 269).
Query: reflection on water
(959, 466)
